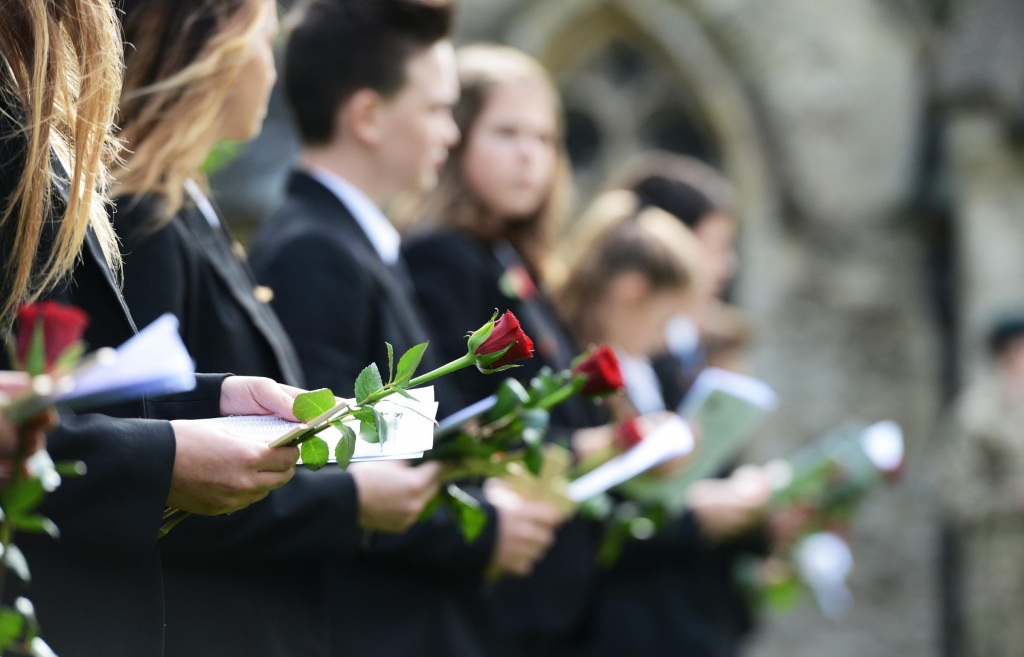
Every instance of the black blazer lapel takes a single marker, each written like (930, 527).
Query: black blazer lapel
(215, 245)
(328, 208)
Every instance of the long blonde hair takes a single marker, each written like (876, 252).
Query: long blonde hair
(483, 69)
(64, 59)
(614, 237)
(182, 59)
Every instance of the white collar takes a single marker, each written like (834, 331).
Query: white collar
(642, 385)
(202, 202)
(382, 235)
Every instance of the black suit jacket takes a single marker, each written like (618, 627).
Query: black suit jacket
(97, 590)
(339, 303)
(458, 280)
(249, 583)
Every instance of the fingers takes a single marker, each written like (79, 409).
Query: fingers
(14, 383)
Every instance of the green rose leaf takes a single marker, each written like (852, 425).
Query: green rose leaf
(23, 496)
(34, 523)
(511, 395)
(469, 514)
(391, 362)
(16, 561)
(346, 447)
(432, 507)
(368, 382)
(368, 432)
(12, 626)
(382, 426)
(310, 405)
(409, 362)
(365, 414)
(315, 453)
(534, 457)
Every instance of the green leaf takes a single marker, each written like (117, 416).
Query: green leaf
(470, 515)
(405, 393)
(368, 432)
(12, 627)
(16, 561)
(534, 458)
(346, 447)
(432, 507)
(368, 382)
(409, 362)
(382, 426)
(70, 356)
(391, 362)
(35, 524)
(35, 359)
(310, 405)
(315, 453)
(511, 395)
(23, 496)
(365, 414)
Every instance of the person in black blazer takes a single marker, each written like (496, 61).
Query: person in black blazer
(97, 590)
(482, 244)
(249, 584)
(371, 86)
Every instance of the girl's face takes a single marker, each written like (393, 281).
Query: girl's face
(717, 236)
(246, 107)
(511, 156)
(633, 318)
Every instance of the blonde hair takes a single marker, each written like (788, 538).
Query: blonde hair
(175, 88)
(64, 58)
(614, 238)
(483, 68)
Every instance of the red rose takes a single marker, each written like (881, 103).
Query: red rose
(604, 376)
(629, 434)
(507, 333)
(63, 327)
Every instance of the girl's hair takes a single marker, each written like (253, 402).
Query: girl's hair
(483, 68)
(182, 58)
(64, 72)
(617, 237)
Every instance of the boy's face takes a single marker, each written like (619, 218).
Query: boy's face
(417, 126)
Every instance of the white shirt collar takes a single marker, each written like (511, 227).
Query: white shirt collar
(642, 385)
(382, 235)
(202, 202)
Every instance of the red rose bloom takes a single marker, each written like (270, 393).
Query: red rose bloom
(604, 376)
(629, 434)
(63, 326)
(506, 331)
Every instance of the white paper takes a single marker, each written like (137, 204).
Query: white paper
(670, 440)
(410, 428)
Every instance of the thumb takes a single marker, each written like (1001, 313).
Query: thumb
(275, 398)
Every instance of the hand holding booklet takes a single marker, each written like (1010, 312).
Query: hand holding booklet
(725, 407)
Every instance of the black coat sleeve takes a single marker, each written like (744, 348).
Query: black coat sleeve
(327, 320)
(116, 509)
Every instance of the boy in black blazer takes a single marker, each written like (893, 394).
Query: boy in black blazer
(372, 86)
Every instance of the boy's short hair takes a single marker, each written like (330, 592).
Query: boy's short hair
(337, 47)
